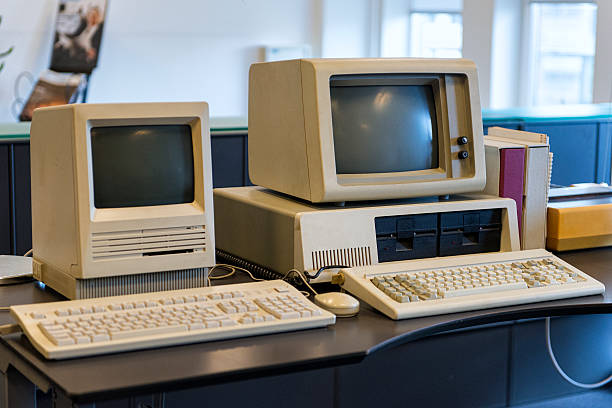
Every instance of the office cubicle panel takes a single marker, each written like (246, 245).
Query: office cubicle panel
(229, 160)
(604, 150)
(23, 203)
(5, 200)
(583, 151)
(575, 149)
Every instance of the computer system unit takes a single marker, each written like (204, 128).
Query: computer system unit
(280, 233)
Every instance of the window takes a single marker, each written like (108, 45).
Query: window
(436, 34)
(562, 50)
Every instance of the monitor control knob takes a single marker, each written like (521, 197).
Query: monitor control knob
(463, 154)
(462, 140)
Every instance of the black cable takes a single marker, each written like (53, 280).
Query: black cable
(258, 270)
(316, 275)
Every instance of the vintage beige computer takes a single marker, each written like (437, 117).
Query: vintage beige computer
(121, 198)
(326, 135)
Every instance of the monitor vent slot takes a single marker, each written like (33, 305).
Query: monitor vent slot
(148, 242)
(357, 256)
(141, 283)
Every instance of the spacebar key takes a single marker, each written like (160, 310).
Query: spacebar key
(482, 289)
(148, 332)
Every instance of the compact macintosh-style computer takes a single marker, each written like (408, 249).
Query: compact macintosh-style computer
(121, 197)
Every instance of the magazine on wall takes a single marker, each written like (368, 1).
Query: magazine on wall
(78, 35)
(51, 89)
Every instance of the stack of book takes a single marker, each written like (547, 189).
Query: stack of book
(518, 166)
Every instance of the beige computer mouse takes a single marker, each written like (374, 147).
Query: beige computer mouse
(340, 304)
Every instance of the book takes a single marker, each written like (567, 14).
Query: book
(52, 88)
(505, 169)
(579, 217)
(519, 135)
(536, 182)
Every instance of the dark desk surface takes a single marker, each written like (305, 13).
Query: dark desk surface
(349, 341)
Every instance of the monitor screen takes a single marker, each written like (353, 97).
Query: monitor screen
(383, 128)
(143, 165)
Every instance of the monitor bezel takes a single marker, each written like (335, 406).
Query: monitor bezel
(158, 216)
(439, 93)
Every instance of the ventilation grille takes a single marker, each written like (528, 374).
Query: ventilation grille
(359, 256)
(159, 241)
(141, 283)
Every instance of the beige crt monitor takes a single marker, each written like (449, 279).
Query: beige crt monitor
(334, 130)
(121, 198)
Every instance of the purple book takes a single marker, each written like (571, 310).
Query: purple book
(511, 178)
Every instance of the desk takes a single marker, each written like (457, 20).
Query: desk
(360, 361)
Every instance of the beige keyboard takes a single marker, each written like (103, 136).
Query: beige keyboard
(79, 328)
(453, 284)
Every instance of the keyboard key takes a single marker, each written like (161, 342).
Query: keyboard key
(143, 332)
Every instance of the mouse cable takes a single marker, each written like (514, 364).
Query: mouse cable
(560, 370)
(232, 270)
(299, 274)
(316, 275)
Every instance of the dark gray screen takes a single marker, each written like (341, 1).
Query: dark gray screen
(384, 128)
(135, 166)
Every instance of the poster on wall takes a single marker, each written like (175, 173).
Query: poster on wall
(78, 35)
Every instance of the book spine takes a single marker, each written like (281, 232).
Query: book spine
(511, 178)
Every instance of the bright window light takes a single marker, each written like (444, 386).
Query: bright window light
(562, 50)
(436, 34)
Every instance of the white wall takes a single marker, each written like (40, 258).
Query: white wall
(505, 53)
(395, 28)
(156, 50)
(477, 41)
(346, 29)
